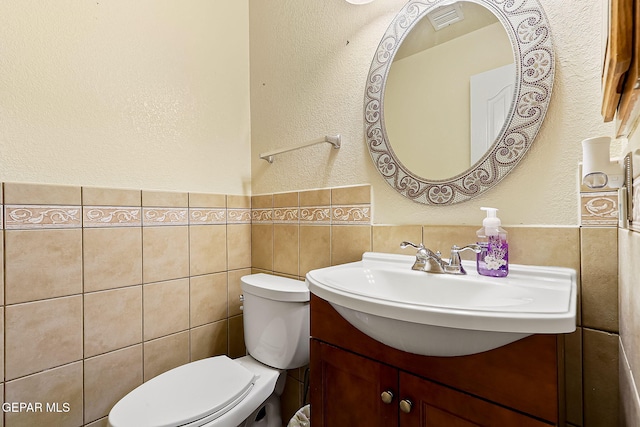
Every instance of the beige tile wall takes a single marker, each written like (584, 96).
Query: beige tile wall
(630, 324)
(334, 226)
(107, 288)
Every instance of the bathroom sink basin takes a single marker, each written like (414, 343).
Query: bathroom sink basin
(447, 315)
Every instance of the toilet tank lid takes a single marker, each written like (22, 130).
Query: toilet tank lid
(275, 287)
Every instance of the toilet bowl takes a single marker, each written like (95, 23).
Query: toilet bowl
(223, 392)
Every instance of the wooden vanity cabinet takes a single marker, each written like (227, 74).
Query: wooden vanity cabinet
(515, 385)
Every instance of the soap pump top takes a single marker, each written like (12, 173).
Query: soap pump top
(491, 223)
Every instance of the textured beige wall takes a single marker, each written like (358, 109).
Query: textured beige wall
(309, 63)
(129, 94)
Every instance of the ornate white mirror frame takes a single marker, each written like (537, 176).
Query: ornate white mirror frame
(530, 36)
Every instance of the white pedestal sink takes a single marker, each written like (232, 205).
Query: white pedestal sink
(447, 315)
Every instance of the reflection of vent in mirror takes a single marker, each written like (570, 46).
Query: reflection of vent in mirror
(446, 15)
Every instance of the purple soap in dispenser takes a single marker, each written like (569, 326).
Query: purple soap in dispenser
(493, 259)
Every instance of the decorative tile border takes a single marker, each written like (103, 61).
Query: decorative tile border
(98, 215)
(238, 216)
(203, 216)
(320, 215)
(24, 217)
(165, 216)
(359, 214)
(111, 216)
(262, 216)
(599, 209)
(285, 215)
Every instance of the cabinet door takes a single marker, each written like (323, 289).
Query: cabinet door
(346, 389)
(433, 405)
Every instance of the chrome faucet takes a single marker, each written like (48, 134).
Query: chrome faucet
(426, 259)
(432, 262)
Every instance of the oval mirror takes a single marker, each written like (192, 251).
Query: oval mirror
(456, 94)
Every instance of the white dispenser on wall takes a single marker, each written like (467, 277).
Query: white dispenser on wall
(493, 259)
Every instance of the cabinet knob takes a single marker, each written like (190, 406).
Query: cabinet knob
(387, 396)
(405, 405)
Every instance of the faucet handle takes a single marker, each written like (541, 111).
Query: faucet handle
(406, 244)
(421, 255)
(423, 251)
(455, 264)
(472, 247)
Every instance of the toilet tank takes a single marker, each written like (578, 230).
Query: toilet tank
(276, 320)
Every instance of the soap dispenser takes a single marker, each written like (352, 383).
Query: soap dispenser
(493, 258)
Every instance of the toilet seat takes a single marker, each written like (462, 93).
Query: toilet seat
(193, 395)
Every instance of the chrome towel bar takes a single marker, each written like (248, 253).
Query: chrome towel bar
(336, 141)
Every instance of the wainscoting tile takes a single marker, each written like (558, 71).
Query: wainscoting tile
(56, 387)
(236, 337)
(209, 340)
(349, 242)
(206, 200)
(162, 216)
(112, 258)
(207, 249)
(286, 248)
(262, 246)
(93, 196)
(352, 214)
(442, 238)
(285, 200)
(208, 299)
(387, 238)
(238, 202)
(262, 201)
(112, 320)
(629, 398)
(238, 246)
(58, 255)
(165, 253)
(315, 247)
(41, 194)
(34, 217)
(165, 353)
(549, 246)
(42, 335)
(165, 308)
(108, 378)
(165, 199)
(111, 216)
(629, 294)
(235, 290)
(599, 266)
(321, 197)
(207, 216)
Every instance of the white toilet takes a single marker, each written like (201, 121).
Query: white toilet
(221, 392)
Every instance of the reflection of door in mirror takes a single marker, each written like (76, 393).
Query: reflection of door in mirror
(427, 95)
(491, 98)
